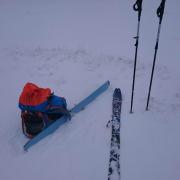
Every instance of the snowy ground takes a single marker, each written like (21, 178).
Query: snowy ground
(73, 47)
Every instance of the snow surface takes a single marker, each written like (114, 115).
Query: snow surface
(73, 47)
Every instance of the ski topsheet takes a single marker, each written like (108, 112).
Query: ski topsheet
(77, 108)
(114, 159)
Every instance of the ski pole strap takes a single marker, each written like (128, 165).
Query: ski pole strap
(138, 7)
(160, 10)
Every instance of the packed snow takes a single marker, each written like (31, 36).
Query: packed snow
(73, 47)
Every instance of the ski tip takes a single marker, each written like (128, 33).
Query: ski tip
(25, 148)
(28, 145)
(107, 82)
(117, 92)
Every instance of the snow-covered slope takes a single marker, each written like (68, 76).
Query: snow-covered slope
(72, 47)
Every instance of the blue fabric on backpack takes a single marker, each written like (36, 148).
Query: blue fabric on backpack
(58, 101)
(55, 101)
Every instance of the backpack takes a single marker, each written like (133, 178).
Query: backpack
(39, 108)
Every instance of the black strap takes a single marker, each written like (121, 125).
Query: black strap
(160, 10)
(138, 7)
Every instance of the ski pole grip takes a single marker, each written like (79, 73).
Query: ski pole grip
(160, 10)
(138, 5)
(135, 7)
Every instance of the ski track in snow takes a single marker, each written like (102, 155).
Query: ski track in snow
(84, 141)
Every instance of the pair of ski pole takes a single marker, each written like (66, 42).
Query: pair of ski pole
(160, 11)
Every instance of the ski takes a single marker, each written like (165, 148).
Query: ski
(77, 108)
(114, 159)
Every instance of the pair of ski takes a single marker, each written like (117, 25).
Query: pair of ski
(115, 123)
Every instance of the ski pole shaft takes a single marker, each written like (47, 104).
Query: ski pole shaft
(152, 73)
(134, 72)
(160, 12)
(137, 7)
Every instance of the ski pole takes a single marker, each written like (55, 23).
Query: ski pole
(160, 12)
(137, 7)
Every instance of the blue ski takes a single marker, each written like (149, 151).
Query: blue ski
(77, 108)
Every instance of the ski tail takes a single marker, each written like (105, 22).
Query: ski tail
(117, 93)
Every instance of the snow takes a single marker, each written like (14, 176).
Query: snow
(73, 47)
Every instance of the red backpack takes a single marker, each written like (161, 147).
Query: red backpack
(39, 108)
